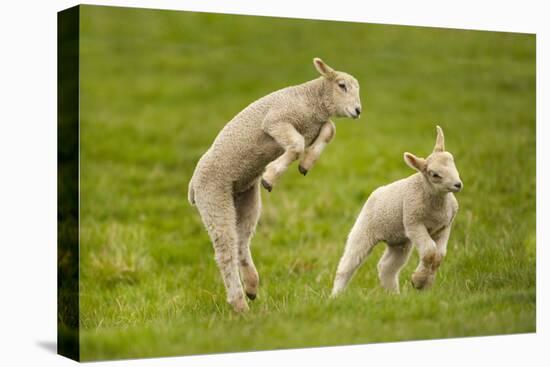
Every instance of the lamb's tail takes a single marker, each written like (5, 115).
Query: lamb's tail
(191, 193)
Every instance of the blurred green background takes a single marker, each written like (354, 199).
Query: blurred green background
(157, 86)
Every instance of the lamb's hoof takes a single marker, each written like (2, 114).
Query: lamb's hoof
(252, 296)
(391, 289)
(302, 170)
(267, 185)
(421, 280)
(416, 285)
(240, 305)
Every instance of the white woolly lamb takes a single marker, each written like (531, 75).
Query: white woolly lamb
(269, 134)
(416, 210)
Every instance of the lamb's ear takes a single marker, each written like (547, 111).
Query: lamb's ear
(324, 69)
(440, 140)
(415, 162)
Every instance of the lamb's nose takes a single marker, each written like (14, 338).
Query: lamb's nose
(358, 111)
(458, 185)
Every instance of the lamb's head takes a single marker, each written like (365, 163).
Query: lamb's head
(343, 91)
(439, 168)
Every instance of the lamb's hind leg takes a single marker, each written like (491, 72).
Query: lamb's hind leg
(313, 152)
(358, 247)
(248, 205)
(293, 143)
(389, 266)
(218, 214)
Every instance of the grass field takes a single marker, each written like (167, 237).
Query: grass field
(157, 86)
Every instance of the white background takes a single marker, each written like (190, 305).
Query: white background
(28, 182)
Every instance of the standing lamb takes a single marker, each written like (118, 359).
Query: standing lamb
(265, 137)
(416, 210)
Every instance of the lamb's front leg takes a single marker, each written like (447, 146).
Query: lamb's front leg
(430, 257)
(293, 143)
(441, 240)
(312, 153)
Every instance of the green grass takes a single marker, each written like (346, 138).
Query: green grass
(157, 86)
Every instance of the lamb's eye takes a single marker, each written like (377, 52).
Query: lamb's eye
(342, 86)
(434, 174)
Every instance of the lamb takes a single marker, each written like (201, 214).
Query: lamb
(416, 210)
(289, 124)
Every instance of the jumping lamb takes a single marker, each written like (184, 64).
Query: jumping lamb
(257, 146)
(416, 210)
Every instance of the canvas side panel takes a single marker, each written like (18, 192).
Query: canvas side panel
(68, 183)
